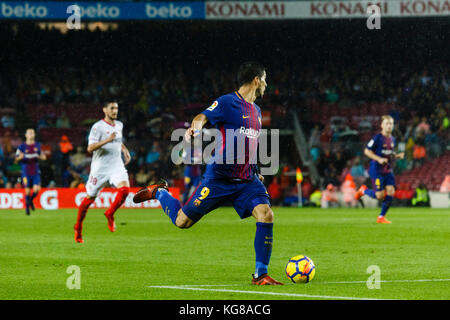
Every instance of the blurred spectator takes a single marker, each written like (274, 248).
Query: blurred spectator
(358, 172)
(330, 176)
(43, 122)
(346, 171)
(2, 157)
(419, 154)
(329, 197)
(153, 154)
(65, 145)
(315, 198)
(421, 198)
(348, 189)
(79, 159)
(307, 189)
(8, 121)
(314, 143)
(409, 149)
(445, 186)
(142, 177)
(274, 190)
(63, 121)
(423, 127)
(3, 179)
(76, 179)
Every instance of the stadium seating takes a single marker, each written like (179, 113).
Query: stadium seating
(431, 173)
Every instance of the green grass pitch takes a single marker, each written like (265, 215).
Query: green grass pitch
(148, 258)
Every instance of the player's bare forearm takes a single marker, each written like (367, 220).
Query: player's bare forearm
(199, 121)
(42, 157)
(94, 146)
(196, 126)
(370, 154)
(373, 156)
(126, 153)
(19, 157)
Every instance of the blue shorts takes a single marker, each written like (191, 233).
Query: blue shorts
(380, 181)
(213, 193)
(191, 181)
(30, 181)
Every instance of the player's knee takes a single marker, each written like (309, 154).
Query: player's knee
(182, 221)
(264, 214)
(183, 224)
(390, 192)
(380, 195)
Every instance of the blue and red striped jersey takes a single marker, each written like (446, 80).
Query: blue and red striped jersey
(383, 147)
(30, 162)
(236, 151)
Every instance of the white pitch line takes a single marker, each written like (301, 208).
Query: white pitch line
(318, 282)
(387, 281)
(263, 293)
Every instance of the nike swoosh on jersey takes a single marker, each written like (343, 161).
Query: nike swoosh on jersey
(245, 117)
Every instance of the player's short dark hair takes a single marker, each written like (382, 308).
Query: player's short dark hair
(106, 103)
(248, 71)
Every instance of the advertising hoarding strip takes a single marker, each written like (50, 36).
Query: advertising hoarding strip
(220, 10)
(65, 198)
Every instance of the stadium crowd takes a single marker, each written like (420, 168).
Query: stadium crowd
(158, 92)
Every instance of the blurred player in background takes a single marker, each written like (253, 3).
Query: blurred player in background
(238, 182)
(381, 151)
(28, 155)
(105, 141)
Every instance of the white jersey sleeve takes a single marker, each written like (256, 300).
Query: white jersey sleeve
(94, 135)
(108, 158)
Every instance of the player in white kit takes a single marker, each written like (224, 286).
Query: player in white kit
(107, 166)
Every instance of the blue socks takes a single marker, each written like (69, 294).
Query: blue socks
(370, 193)
(263, 247)
(27, 204)
(385, 205)
(169, 204)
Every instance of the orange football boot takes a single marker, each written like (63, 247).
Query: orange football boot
(149, 192)
(383, 220)
(264, 280)
(360, 192)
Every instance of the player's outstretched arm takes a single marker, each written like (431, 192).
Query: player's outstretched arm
(196, 126)
(373, 156)
(126, 154)
(19, 156)
(94, 146)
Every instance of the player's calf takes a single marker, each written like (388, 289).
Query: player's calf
(170, 205)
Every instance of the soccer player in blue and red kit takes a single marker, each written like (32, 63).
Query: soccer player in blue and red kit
(381, 151)
(28, 155)
(238, 182)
